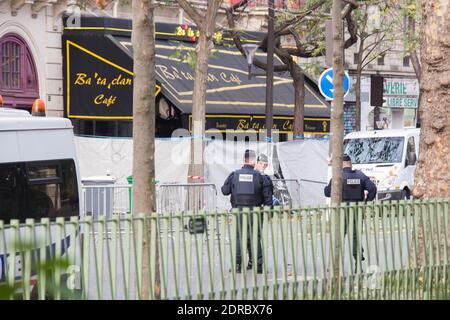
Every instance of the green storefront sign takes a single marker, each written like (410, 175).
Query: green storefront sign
(401, 93)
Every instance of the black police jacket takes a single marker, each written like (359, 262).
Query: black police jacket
(354, 182)
(248, 188)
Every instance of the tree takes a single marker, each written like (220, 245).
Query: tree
(306, 27)
(375, 39)
(206, 23)
(431, 176)
(337, 123)
(144, 196)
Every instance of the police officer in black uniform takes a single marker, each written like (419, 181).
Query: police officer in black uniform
(261, 164)
(354, 185)
(248, 189)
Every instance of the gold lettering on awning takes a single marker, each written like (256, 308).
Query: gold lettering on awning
(172, 73)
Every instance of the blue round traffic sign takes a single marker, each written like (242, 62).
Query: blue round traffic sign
(326, 86)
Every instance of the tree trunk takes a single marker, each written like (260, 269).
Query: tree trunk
(143, 40)
(199, 106)
(432, 178)
(358, 85)
(337, 115)
(337, 128)
(206, 24)
(299, 108)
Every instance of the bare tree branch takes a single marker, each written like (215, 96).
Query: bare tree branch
(237, 41)
(211, 13)
(300, 51)
(374, 43)
(412, 49)
(287, 29)
(284, 28)
(191, 12)
(352, 2)
(373, 48)
(380, 54)
(352, 29)
(349, 9)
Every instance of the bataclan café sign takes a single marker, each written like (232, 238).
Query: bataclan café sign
(98, 64)
(242, 123)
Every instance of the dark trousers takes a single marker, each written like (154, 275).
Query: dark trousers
(249, 239)
(355, 237)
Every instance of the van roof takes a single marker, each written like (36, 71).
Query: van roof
(11, 112)
(20, 120)
(382, 133)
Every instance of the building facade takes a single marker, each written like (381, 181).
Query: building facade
(30, 51)
(31, 54)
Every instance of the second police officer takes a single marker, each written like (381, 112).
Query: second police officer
(248, 189)
(261, 165)
(354, 185)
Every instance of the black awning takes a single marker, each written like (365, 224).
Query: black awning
(98, 75)
(229, 91)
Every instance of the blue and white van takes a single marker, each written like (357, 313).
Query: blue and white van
(39, 177)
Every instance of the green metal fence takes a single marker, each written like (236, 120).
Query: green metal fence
(405, 246)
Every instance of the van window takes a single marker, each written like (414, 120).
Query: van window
(411, 147)
(375, 150)
(10, 193)
(38, 189)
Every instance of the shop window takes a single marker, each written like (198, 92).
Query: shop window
(125, 128)
(105, 128)
(119, 128)
(167, 120)
(406, 61)
(355, 58)
(18, 80)
(349, 118)
(410, 118)
(87, 127)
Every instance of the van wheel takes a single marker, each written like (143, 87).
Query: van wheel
(405, 194)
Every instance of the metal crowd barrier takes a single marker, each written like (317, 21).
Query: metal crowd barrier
(405, 245)
(109, 200)
(187, 197)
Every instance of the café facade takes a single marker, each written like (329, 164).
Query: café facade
(98, 82)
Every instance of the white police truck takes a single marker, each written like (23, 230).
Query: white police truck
(39, 177)
(387, 157)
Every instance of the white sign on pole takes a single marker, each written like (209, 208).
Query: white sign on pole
(401, 93)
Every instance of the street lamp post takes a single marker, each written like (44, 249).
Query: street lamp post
(250, 50)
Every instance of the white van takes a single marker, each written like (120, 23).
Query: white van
(387, 157)
(39, 174)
